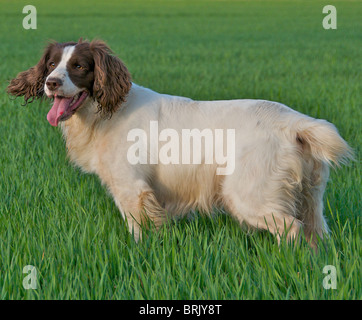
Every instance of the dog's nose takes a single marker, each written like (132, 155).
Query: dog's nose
(53, 83)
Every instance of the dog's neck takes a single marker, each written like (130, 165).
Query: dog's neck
(80, 133)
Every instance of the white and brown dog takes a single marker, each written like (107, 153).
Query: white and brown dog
(280, 159)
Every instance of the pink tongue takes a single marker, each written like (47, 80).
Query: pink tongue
(59, 107)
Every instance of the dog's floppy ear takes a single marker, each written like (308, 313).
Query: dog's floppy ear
(30, 83)
(112, 80)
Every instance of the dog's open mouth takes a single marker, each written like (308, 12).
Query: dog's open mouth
(64, 107)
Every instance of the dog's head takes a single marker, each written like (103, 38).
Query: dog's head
(72, 72)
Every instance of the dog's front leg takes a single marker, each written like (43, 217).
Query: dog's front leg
(138, 205)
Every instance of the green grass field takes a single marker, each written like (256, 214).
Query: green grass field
(66, 225)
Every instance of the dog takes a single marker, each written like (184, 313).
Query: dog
(279, 158)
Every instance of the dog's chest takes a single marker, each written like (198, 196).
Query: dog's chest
(80, 143)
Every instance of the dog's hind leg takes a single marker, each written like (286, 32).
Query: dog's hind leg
(310, 207)
(263, 190)
(278, 223)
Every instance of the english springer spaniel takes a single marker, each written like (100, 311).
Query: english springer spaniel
(274, 174)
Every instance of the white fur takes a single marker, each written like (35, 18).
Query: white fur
(278, 182)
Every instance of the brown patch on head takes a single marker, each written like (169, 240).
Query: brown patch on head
(80, 67)
(112, 80)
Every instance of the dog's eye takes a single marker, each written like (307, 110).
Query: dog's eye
(52, 65)
(79, 67)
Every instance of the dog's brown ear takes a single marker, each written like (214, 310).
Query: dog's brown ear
(112, 80)
(30, 83)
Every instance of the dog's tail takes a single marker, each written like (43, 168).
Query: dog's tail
(322, 141)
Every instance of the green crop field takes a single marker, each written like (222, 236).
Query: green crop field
(65, 224)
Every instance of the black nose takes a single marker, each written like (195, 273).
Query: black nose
(53, 83)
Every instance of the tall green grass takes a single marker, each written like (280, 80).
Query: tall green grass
(65, 224)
